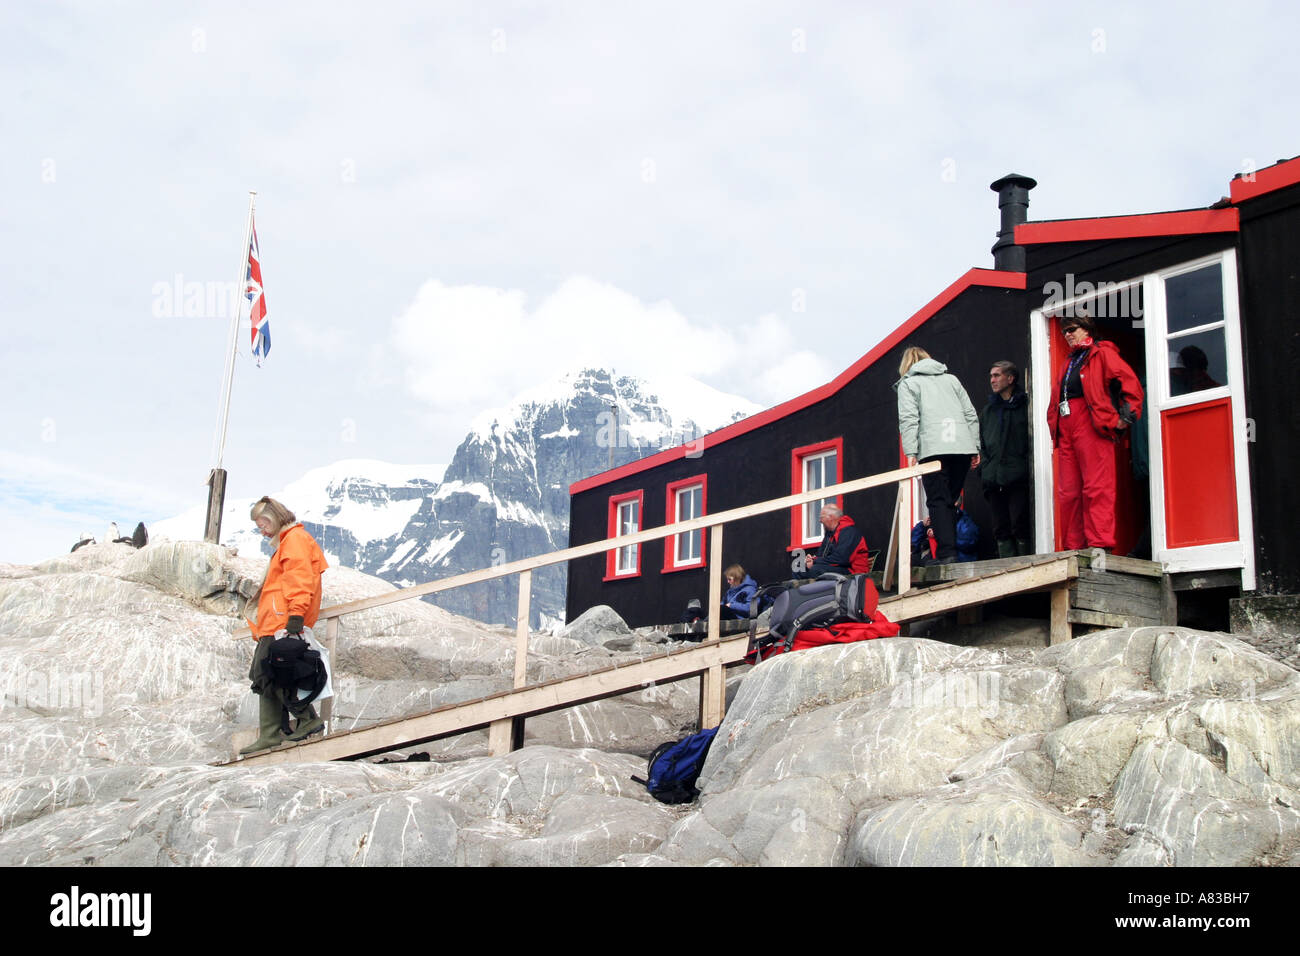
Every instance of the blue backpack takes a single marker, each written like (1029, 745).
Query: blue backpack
(675, 766)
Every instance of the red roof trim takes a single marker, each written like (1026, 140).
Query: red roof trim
(990, 278)
(1266, 180)
(1189, 222)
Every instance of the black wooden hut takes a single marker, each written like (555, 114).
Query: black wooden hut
(1203, 303)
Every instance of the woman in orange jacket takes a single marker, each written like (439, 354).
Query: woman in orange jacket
(289, 600)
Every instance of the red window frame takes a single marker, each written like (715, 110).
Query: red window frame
(611, 556)
(796, 483)
(670, 517)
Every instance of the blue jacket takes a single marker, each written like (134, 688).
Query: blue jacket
(968, 538)
(738, 598)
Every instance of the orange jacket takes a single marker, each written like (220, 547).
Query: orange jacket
(293, 584)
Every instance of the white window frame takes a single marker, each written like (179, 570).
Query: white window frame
(695, 537)
(627, 559)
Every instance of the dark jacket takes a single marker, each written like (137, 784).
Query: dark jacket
(1004, 439)
(738, 598)
(842, 551)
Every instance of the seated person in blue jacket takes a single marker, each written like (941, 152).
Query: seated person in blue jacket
(842, 551)
(740, 591)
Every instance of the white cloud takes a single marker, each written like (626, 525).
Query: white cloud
(466, 346)
(45, 507)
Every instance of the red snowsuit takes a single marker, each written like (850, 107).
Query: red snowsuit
(1085, 442)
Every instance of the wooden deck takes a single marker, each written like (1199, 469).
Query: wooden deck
(1109, 591)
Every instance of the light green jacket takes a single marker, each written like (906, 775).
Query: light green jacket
(935, 416)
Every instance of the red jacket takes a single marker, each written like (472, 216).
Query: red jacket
(1102, 366)
(843, 551)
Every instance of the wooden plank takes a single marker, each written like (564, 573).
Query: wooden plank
(535, 699)
(331, 639)
(889, 573)
(940, 573)
(1112, 593)
(500, 733)
(1168, 601)
(712, 683)
(713, 696)
(903, 528)
(715, 582)
(1101, 619)
(609, 544)
(682, 631)
(952, 595)
(521, 628)
(1059, 628)
(1215, 578)
(1099, 560)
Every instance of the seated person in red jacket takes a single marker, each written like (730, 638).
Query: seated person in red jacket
(842, 551)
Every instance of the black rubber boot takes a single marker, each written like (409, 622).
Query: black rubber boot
(270, 711)
(308, 724)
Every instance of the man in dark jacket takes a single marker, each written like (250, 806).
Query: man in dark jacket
(1004, 438)
(842, 549)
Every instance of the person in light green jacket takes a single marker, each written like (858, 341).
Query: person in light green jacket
(937, 422)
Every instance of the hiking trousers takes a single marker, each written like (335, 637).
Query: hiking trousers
(1085, 481)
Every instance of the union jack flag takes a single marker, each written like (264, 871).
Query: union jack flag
(257, 299)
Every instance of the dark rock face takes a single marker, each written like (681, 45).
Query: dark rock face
(505, 495)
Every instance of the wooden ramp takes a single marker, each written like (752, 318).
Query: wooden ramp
(705, 661)
(503, 714)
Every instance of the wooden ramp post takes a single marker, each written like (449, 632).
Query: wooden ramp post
(1059, 628)
(713, 682)
(507, 735)
(331, 640)
(903, 532)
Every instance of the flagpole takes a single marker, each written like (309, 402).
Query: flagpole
(217, 477)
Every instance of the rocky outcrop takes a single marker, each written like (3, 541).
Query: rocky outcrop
(1129, 747)
(1147, 746)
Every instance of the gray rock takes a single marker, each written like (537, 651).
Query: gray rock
(989, 821)
(596, 626)
(1142, 746)
(1194, 811)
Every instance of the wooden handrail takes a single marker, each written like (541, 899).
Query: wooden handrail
(639, 537)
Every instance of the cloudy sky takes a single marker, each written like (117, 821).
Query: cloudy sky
(456, 201)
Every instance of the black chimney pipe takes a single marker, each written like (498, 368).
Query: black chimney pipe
(1013, 202)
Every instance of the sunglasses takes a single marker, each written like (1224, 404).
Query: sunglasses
(1069, 328)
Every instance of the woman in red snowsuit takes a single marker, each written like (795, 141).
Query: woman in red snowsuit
(1095, 400)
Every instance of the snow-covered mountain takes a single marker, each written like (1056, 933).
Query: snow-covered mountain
(503, 497)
